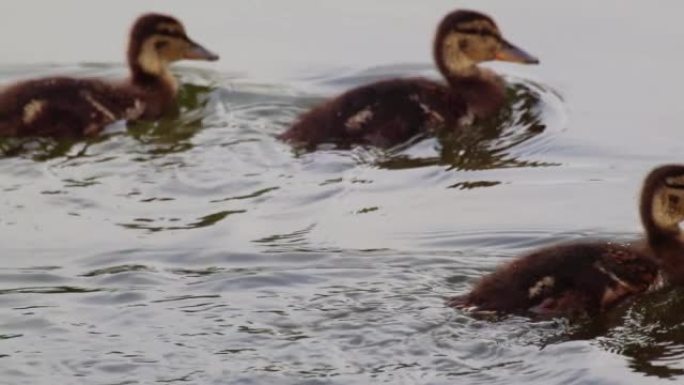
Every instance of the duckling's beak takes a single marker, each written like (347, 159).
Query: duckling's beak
(511, 53)
(197, 52)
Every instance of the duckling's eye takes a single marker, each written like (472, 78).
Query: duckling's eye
(161, 44)
(463, 44)
(673, 199)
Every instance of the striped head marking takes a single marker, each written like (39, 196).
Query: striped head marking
(466, 38)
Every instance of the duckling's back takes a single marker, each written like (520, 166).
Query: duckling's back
(562, 280)
(385, 113)
(64, 107)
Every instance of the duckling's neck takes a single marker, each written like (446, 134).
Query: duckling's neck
(153, 75)
(157, 90)
(669, 254)
(660, 229)
(483, 90)
(667, 248)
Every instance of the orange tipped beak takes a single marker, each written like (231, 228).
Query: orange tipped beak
(511, 53)
(197, 52)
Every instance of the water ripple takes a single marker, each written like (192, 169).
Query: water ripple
(200, 249)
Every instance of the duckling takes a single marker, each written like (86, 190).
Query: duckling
(588, 278)
(390, 112)
(62, 106)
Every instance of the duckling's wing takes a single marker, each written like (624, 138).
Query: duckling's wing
(559, 279)
(393, 111)
(64, 106)
(383, 113)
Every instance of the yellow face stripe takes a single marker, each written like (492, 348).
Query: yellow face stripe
(151, 62)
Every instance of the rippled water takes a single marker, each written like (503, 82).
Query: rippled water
(203, 250)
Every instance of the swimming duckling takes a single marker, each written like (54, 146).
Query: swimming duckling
(61, 106)
(587, 278)
(390, 112)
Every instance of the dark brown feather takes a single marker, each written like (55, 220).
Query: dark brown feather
(387, 113)
(567, 279)
(63, 106)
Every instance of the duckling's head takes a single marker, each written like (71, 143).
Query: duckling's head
(157, 40)
(662, 203)
(466, 38)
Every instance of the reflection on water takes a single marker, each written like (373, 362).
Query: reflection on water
(201, 249)
(650, 334)
(174, 133)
